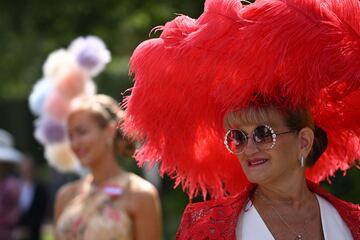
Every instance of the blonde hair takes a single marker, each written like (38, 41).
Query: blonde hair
(294, 119)
(104, 108)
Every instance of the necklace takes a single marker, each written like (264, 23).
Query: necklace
(299, 234)
(113, 187)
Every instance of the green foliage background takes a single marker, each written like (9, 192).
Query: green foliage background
(30, 30)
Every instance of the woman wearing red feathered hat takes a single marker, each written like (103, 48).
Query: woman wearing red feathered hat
(254, 105)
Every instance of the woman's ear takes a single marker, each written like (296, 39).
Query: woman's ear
(111, 130)
(306, 140)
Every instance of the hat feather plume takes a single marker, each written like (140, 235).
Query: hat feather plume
(299, 53)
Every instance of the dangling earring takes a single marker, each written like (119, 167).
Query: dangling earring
(302, 161)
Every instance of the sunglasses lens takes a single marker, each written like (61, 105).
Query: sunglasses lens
(235, 140)
(263, 137)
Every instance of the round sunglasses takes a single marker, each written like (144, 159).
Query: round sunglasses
(264, 138)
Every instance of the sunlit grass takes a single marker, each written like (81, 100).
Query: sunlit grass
(47, 232)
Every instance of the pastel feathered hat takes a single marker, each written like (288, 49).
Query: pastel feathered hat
(67, 75)
(300, 53)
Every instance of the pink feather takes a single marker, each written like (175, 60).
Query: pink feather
(294, 52)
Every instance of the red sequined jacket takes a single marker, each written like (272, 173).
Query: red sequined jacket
(217, 219)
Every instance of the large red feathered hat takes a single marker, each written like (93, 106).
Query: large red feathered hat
(298, 52)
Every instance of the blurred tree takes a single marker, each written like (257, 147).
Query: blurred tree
(32, 29)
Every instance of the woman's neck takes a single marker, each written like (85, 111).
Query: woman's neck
(105, 170)
(293, 191)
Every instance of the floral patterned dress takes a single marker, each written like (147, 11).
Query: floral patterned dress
(95, 213)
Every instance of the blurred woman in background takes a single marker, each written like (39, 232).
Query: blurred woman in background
(80, 129)
(109, 203)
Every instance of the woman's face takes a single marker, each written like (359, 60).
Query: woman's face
(268, 165)
(89, 141)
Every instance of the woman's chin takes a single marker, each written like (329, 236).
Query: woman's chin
(85, 162)
(257, 174)
(257, 179)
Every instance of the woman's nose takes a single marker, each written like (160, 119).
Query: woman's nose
(74, 141)
(250, 147)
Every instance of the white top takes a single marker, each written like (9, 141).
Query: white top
(250, 225)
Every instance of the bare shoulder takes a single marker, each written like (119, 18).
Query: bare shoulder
(145, 208)
(64, 195)
(143, 193)
(68, 190)
(141, 186)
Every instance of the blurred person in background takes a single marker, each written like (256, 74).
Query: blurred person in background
(33, 202)
(80, 131)
(9, 185)
(109, 203)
